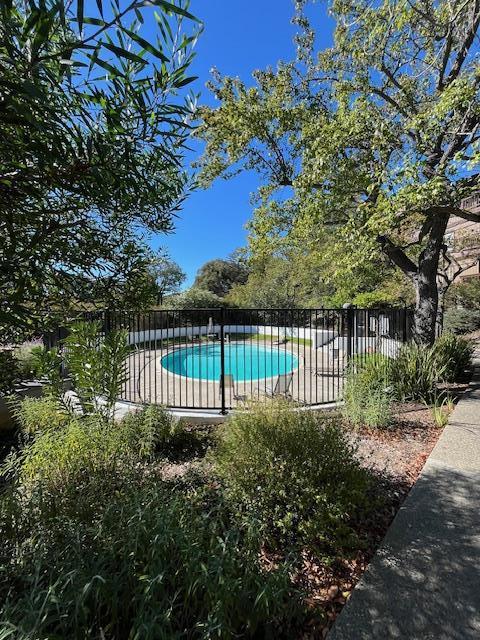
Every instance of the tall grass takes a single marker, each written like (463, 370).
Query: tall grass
(415, 372)
(455, 355)
(367, 394)
(373, 382)
(145, 562)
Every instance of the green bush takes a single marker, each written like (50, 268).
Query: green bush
(58, 458)
(152, 429)
(37, 415)
(374, 381)
(453, 356)
(366, 404)
(67, 448)
(49, 368)
(415, 372)
(97, 365)
(140, 560)
(461, 321)
(293, 473)
(367, 395)
(465, 294)
(27, 357)
(9, 372)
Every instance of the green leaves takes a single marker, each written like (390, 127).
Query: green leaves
(97, 364)
(80, 14)
(169, 8)
(361, 141)
(147, 46)
(124, 53)
(93, 132)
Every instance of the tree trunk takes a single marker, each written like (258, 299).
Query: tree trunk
(426, 306)
(440, 317)
(423, 275)
(426, 286)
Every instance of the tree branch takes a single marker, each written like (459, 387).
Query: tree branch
(464, 49)
(455, 211)
(398, 257)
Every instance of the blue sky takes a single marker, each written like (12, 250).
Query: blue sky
(239, 37)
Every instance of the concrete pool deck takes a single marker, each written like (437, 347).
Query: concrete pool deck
(316, 381)
(424, 581)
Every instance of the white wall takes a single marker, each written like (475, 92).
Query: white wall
(318, 337)
(385, 346)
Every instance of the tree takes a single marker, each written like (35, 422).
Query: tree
(371, 143)
(133, 287)
(219, 276)
(279, 282)
(168, 276)
(92, 133)
(195, 298)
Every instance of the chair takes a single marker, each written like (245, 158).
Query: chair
(282, 386)
(229, 387)
(282, 339)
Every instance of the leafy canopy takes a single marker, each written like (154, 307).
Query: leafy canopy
(366, 148)
(219, 276)
(92, 128)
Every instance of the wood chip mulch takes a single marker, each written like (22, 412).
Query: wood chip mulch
(397, 456)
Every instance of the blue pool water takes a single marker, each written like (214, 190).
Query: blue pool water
(243, 361)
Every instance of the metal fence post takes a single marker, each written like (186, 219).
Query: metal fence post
(222, 360)
(350, 313)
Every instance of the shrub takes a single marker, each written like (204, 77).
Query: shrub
(461, 321)
(59, 458)
(293, 473)
(453, 356)
(466, 294)
(373, 381)
(377, 412)
(27, 357)
(143, 561)
(68, 448)
(97, 365)
(152, 429)
(415, 372)
(366, 405)
(37, 415)
(9, 372)
(367, 395)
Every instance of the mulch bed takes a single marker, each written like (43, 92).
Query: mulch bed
(397, 456)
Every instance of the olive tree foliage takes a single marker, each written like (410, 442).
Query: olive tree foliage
(92, 131)
(366, 148)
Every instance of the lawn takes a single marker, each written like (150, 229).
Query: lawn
(265, 337)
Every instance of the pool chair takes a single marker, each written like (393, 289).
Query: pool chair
(230, 389)
(282, 386)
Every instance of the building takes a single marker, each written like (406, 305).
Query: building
(463, 236)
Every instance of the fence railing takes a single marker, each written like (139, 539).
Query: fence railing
(219, 359)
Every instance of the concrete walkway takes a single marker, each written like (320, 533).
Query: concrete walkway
(424, 581)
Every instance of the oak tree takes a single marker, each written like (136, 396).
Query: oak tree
(366, 148)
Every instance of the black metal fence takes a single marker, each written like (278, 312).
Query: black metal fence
(219, 359)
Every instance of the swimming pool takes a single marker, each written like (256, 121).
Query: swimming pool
(242, 361)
